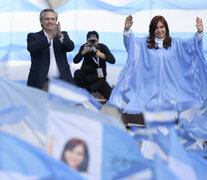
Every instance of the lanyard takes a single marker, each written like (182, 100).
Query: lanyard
(96, 60)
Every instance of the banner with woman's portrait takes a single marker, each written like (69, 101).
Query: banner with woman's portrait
(77, 141)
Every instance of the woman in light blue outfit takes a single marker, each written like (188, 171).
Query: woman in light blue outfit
(160, 69)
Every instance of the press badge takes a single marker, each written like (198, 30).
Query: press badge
(100, 73)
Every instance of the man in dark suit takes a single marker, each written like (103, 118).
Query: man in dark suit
(48, 50)
(92, 74)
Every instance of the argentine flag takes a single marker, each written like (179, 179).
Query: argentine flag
(19, 17)
(22, 161)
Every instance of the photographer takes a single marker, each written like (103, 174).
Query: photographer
(92, 75)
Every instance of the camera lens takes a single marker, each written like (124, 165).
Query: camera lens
(93, 41)
(93, 50)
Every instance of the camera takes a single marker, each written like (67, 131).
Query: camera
(92, 50)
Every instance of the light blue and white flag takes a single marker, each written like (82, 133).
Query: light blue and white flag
(29, 104)
(158, 120)
(161, 170)
(160, 115)
(107, 150)
(201, 152)
(68, 93)
(22, 161)
(178, 161)
(198, 127)
(199, 165)
(19, 17)
(12, 114)
(35, 100)
(144, 170)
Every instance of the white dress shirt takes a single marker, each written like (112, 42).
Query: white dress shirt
(159, 42)
(53, 68)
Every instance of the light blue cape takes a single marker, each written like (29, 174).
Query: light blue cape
(154, 76)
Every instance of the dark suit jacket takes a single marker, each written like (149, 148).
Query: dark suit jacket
(37, 45)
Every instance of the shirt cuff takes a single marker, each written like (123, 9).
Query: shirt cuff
(199, 35)
(61, 38)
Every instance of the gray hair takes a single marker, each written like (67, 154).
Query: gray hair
(47, 10)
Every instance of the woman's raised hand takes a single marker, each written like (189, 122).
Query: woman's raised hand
(199, 25)
(128, 22)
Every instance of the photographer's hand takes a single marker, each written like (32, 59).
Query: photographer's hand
(85, 49)
(100, 54)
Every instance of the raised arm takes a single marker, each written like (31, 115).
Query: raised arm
(128, 23)
(127, 32)
(199, 25)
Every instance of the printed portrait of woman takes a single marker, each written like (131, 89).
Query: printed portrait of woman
(76, 155)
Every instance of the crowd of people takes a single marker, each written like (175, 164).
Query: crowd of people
(158, 69)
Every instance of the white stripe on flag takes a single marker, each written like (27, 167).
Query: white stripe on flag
(67, 93)
(5, 175)
(144, 174)
(161, 116)
(93, 19)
